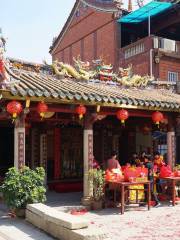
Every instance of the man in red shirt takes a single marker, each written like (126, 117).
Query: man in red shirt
(113, 162)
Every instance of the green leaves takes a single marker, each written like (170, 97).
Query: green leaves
(23, 187)
(97, 178)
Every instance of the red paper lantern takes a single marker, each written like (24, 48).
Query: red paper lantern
(42, 108)
(81, 110)
(14, 108)
(157, 117)
(122, 115)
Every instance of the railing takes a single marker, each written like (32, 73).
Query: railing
(134, 50)
(147, 43)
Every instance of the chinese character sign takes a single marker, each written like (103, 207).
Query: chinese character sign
(21, 149)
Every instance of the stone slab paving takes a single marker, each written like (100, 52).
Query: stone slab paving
(136, 224)
(18, 229)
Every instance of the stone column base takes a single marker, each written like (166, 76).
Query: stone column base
(86, 201)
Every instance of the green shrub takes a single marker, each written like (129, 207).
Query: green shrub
(97, 178)
(23, 187)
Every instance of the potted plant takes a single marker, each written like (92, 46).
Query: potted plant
(97, 178)
(23, 187)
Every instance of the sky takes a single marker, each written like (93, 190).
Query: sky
(30, 26)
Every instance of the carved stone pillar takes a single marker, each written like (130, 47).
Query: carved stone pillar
(19, 143)
(88, 158)
(171, 146)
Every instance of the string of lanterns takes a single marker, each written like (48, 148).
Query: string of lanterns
(14, 108)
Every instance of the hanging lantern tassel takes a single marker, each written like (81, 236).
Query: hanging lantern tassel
(14, 108)
(157, 117)
(98, 108)
(122, 115)
(14, 116)
(81, 110)
(42, 115)
(42, 108)
(28, 102)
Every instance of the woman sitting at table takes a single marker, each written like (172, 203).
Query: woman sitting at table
(113, 162)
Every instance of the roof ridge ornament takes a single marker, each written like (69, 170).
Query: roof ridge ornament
(105, 6)
(99, 71)
(5, 80)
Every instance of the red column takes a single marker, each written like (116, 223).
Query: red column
(57, 153)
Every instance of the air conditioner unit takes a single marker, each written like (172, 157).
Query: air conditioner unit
(168, 45)
(156, 42)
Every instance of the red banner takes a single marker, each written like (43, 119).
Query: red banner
(21, 157)
(90, 150)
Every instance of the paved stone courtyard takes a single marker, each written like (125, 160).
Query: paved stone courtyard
(136, 224)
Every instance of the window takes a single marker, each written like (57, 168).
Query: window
(172, 77)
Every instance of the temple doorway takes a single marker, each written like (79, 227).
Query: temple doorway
(6, 149)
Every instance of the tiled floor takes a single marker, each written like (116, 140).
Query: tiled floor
(136, 224)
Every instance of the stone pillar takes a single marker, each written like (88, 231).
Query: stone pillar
(171, 146)
(88, 158)
(19, 143)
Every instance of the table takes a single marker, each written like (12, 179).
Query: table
(173, 181)
(124, 186)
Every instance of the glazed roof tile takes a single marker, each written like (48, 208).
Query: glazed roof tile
(38, 85)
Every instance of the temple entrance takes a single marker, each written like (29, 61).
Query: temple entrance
(6, 149)
(71, 153)
(138, 135)
(65, 158)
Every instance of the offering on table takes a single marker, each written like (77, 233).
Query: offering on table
(165, 171)
(177, 173)
(134, 174)
(114, 175)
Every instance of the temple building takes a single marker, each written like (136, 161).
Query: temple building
(148, 38)
(61, 117)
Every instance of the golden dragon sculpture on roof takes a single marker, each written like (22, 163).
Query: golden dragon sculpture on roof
(98, 70)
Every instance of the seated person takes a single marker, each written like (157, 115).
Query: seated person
(113, 162)
(142, 157)
(135, 160)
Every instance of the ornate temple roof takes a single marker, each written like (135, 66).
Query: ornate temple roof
(41, 85)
